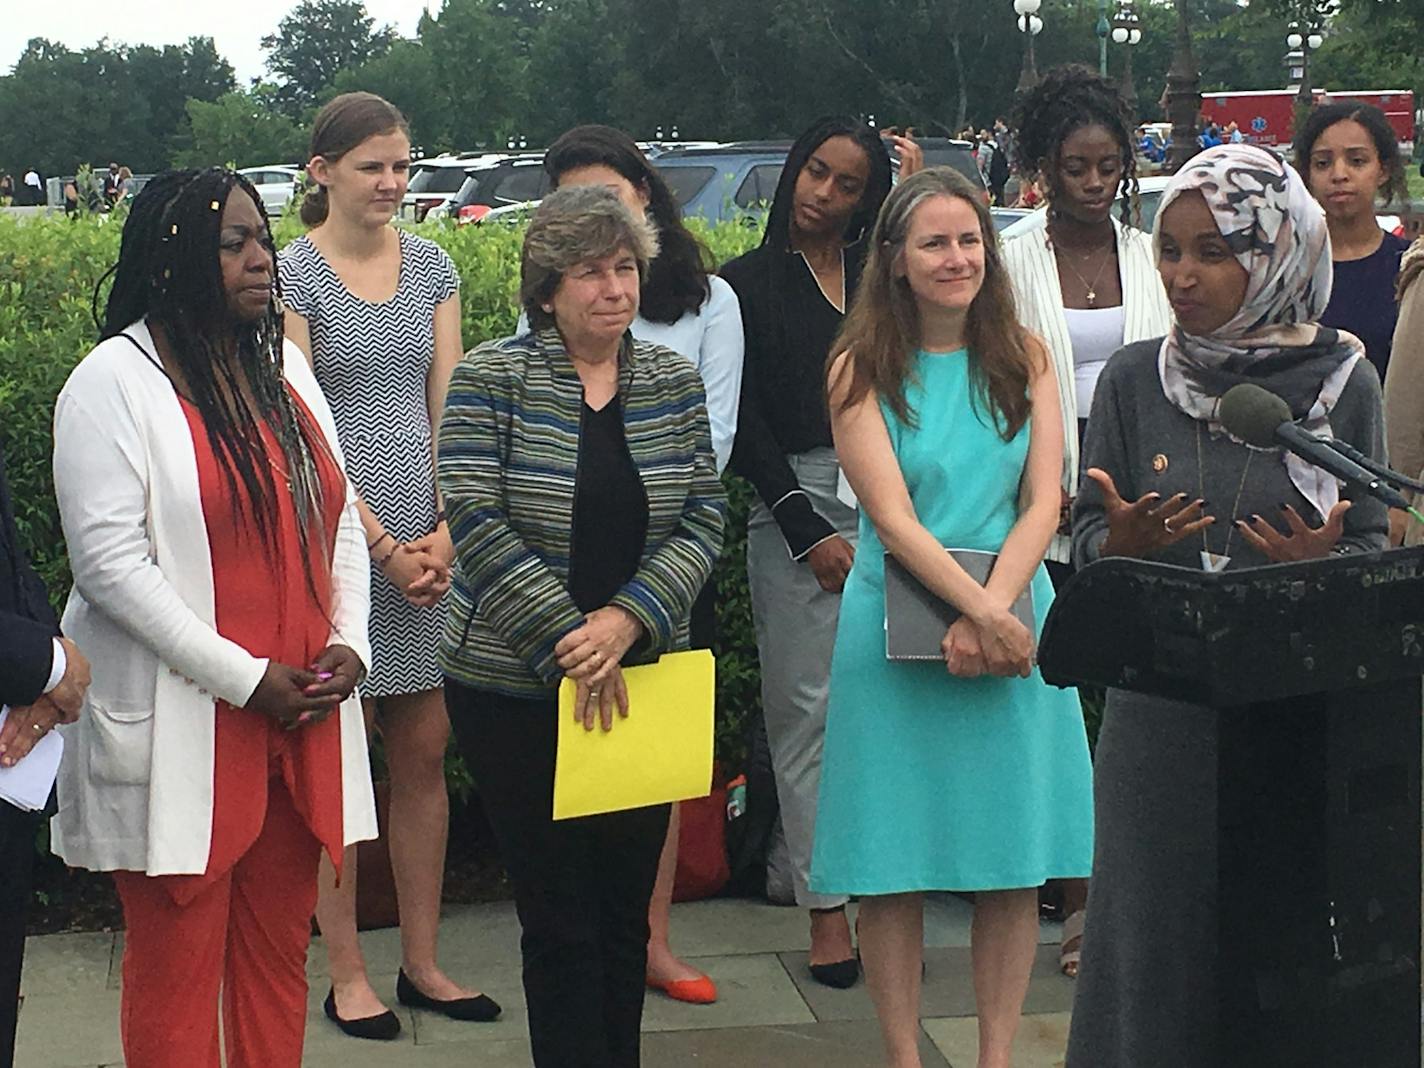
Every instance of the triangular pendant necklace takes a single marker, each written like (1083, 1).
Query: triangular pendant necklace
(1211, 561)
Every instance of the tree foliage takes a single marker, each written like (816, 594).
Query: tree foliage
(478, 72)
(60, 108)
(316, 42)
(243, 128)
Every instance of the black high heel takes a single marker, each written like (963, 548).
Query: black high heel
(382, 1028)
(478, 1009)
(839, 974)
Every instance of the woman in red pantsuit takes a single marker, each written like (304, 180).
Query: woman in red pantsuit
(219, 565)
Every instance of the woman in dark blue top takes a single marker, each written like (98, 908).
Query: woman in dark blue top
(1350, 158)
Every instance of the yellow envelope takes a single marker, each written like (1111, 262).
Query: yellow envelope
(662, 752)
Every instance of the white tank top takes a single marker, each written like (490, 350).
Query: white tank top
(1095, 334)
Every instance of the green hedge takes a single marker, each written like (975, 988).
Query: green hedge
(49, 267)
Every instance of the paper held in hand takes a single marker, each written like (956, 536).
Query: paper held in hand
(662, 752)
(27, 784)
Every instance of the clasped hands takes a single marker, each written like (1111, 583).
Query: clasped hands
(1151, 523)
(296, 697)
(592, 656)
(420, 569)
(995, 643)
(27, 724)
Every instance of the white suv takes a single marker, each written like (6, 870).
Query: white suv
(276, 185)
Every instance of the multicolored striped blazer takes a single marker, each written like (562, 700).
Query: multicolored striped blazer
(508, 471)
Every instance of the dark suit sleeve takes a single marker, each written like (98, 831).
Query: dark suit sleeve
(756, 454)
(26, 656)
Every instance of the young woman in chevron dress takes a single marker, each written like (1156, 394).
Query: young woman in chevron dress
(378, 313)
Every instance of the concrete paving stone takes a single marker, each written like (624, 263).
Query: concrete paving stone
(727, 926)
(1042, 1040)
(752, 990)
(79, 1029)
(828, 1045)
(67, 963)
(948, 918)
(472, 938)
(948, 988)
(401, 1053)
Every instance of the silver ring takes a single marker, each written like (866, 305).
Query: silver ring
(1167, 526)
(37, 728)
(594, 693)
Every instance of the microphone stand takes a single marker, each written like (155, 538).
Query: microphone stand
(1373, 466)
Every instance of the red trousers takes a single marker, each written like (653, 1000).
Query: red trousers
(244, 936)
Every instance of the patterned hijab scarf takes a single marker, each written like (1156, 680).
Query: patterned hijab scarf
(1277, 232)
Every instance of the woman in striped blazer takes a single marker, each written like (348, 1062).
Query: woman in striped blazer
(577, 471)
(1084, 282)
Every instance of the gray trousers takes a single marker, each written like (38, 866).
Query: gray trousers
(796, 633)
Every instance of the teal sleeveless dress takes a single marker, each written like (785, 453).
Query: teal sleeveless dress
(931, 782)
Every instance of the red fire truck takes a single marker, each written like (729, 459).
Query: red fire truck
(1264, 116)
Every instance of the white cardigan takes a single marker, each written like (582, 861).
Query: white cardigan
(136, 783)
(1033, 269)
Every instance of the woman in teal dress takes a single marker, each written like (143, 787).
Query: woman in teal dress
(971, 773)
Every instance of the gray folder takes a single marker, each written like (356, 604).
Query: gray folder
(916, 619)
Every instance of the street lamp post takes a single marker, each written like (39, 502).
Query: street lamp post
(1306, 34)
(1127, 30)
(1102, 29)
(1030, 25)
(1183, 92)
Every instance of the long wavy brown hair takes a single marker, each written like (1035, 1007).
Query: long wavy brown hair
(882, 333)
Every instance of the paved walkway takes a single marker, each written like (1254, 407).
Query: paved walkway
(771, 1014)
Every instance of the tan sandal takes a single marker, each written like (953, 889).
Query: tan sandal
(1070, 951)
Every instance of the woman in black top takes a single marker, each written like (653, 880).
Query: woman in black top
(1349, 157)
(793, 292)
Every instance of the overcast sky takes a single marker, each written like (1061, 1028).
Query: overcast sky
(236, 25)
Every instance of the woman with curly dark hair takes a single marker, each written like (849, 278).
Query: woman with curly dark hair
(1349, 157)
(1085, 283)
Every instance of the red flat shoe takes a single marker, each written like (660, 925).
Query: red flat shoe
(699, 991)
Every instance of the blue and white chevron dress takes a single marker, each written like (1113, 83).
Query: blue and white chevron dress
(372, 360)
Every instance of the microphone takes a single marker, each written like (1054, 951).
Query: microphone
(1259, 417)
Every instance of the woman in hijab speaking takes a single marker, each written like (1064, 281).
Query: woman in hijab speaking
(1244, 254)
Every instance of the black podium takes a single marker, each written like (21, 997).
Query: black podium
(1314, 670)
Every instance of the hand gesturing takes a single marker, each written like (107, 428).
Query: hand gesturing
(1303, 542)
(1148, 523)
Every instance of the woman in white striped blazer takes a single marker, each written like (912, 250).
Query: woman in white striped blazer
(1084, 282)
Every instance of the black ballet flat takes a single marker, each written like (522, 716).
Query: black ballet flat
(478, 1009)
(381, 1028)
(841, 974)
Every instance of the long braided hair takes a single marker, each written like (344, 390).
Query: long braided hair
(169, 272)
(1068, 98)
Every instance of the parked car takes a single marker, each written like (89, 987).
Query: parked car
(724, 183)
(1006, 217)
(1149, 196)
(511, 180)
(949, 152)
(435, 179)
(276, 184)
